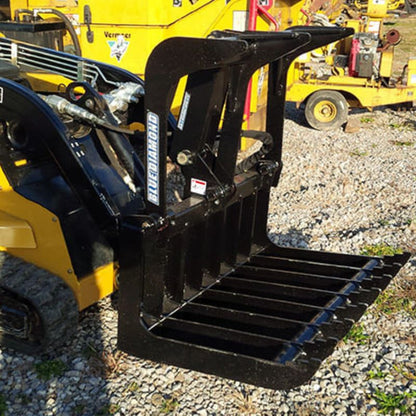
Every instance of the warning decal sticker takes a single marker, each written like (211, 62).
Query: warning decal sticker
(198, 186)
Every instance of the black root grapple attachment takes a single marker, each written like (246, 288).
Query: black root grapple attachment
(201, 285)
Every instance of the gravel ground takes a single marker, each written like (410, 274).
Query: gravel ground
(338, 192)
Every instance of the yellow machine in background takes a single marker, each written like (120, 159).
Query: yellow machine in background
(124, 33)
(391, 5)
(354, 72)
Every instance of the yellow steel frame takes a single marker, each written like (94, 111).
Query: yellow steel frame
(31, 232)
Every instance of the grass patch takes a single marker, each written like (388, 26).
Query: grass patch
(380, 250)
(359, 153)
(104, 364)
(89, 352)
(133, 387)
(108, 410)
(48, 369)
(388, 404)
(244, 402)
(402, 126)
(367, 120)
(357, 334)
(377, 374)
(169, 405)
(402, 143)
(24, 398)
(3, 406)
(78, 410)
(394, 301)
(384, 222)
(409, 375)
(395, 125)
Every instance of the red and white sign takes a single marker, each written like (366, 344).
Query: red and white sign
(198, 187)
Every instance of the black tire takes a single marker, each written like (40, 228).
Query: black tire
(326, 110)
(46, 301)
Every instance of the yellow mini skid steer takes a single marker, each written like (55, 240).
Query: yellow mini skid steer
(84, 207)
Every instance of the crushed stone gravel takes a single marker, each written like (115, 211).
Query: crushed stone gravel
(338, 192)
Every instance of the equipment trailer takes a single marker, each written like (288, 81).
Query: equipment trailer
(200, 284)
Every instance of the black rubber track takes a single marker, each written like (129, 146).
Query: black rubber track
(50, 300)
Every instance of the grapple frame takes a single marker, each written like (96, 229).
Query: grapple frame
(201, 284)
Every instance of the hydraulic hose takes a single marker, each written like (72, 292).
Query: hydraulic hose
(119, 146)
(68, 26)
(249, 162)
(62, 16)
(118, 142)
(63, 106)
